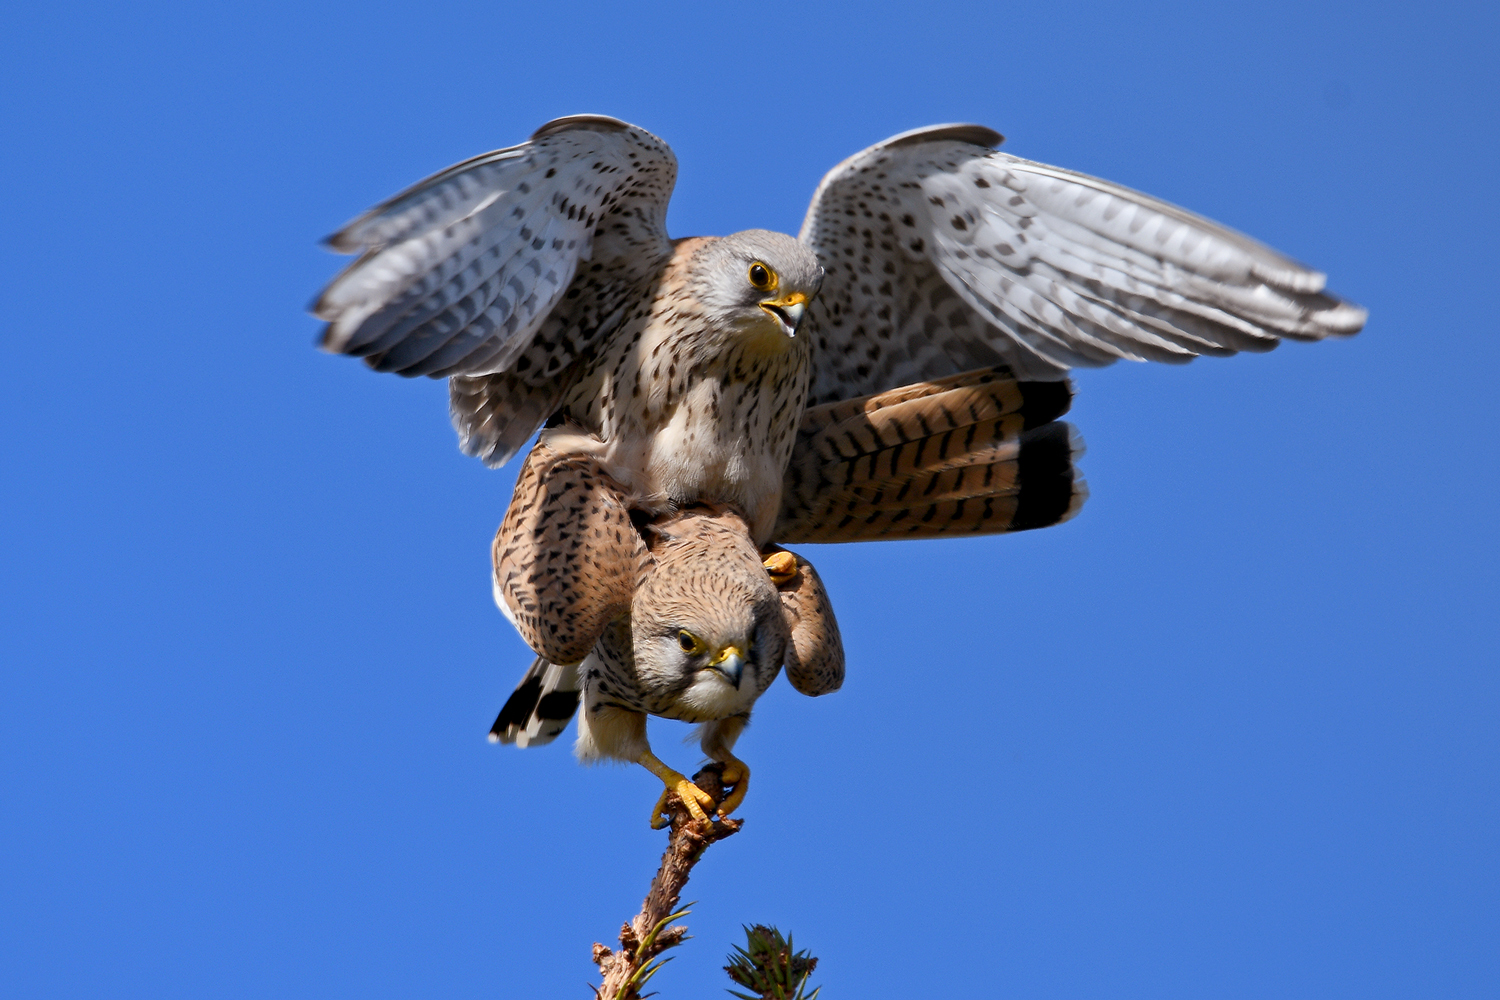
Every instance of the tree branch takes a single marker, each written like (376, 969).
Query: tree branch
(647, 935)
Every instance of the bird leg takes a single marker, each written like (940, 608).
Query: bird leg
(693, 797)
(716, 738)
(782, 566)
(736, 773)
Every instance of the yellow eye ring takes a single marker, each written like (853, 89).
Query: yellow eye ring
(762, 278)
(689, 642)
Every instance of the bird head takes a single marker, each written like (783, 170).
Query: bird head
(758, 281)
(706, 622)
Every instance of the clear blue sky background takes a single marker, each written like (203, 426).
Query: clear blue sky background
(1230, 733)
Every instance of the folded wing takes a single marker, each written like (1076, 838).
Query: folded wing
(815, 655)
(567, 557)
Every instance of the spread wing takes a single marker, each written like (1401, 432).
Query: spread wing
(972, 454)
(503, 271)
(457, 273)
(943, 256)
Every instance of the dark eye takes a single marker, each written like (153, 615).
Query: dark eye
(687, 641)
(762, 277)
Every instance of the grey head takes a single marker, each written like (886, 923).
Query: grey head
(707, 627)
(756, 279)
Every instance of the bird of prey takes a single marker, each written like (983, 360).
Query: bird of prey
(540, 280)
(676, 617)
(896, 371)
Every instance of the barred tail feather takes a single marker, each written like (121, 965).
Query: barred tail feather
(540, 706)
(972, 454)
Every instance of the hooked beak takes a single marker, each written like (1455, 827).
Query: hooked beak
(788, 311)
(729, 661)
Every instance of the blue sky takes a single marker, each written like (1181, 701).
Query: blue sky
(1229, 733)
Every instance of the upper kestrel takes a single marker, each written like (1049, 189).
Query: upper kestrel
(540, 279)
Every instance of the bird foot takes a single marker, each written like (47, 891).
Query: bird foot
(736, 773)
(782, 566)
(692, 797)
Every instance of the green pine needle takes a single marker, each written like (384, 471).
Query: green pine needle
(770, 965)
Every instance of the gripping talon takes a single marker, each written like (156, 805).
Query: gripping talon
(781, 566)
(693, 797)
(736, 773)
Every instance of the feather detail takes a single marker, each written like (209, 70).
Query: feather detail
(566, 557)
(976, 453)
(1044, 268)
(815, 655)
(495, 415)
(459, 273)
(540, 707)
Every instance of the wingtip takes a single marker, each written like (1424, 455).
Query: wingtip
(325, 340)
(343, 244)
(1346, 318)
(1292, 277)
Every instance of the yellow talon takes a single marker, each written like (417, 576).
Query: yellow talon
(736, 773)
(693, 797)
(782, 566)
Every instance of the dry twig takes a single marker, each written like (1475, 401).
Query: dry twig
(642, 940)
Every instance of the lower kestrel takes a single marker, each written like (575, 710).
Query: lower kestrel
(680, 617)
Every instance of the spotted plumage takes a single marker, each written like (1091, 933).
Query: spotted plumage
(815, 651)
(541, 280)
(673, 616)
(896, 371)
(698, 399)
(567, 556)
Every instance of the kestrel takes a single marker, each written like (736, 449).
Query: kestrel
(896, 371)
(600, 590)
(676, 617)
(541, 281)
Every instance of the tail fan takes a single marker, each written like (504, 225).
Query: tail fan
(540, 706)
(973, 454)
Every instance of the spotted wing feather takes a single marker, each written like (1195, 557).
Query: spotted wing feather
(814, 657)
(503, 271)
(944, 255)
(567, 557)
(458, 272)
(495, 415)
(975, 453)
